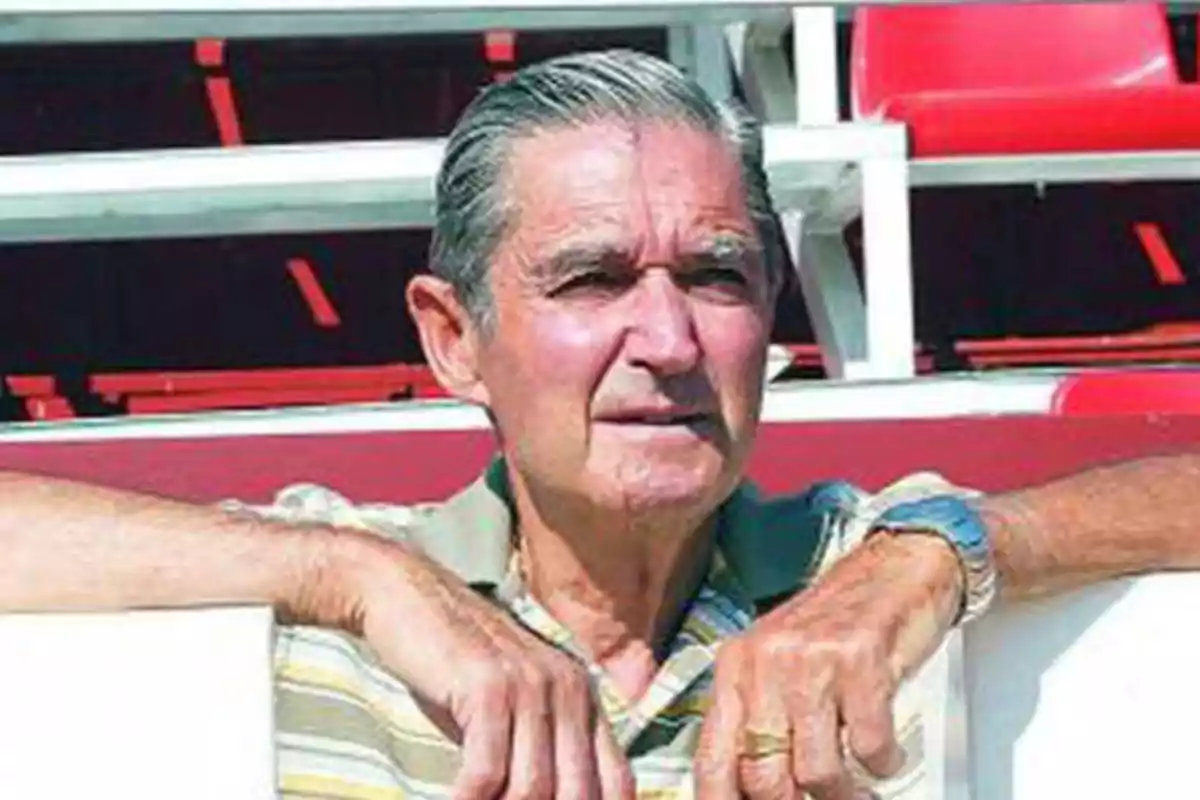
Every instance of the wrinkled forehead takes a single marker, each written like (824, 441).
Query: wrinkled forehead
(622, 182)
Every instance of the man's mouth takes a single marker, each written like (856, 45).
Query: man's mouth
(659, 417)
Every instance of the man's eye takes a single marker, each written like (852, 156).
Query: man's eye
(718, 276)
(589, 280)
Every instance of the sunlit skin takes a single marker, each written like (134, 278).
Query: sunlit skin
(624, 369)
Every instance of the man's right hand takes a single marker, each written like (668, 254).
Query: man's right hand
(523, 710)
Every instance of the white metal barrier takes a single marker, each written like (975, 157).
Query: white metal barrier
(139, 705)
(1087, 695)
(348, 186)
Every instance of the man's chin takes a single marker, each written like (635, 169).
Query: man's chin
(667, 488)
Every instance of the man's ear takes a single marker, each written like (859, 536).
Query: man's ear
(449, 337)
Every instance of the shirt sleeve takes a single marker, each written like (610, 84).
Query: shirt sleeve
(312, 504)
(853, 513)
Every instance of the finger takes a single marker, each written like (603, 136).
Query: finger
(765, 775)
(716, 767)
(817, 764)
(616, 778)
(870, 731)
(844, 788)
(575, 770)
(487, 736)
(531, 770)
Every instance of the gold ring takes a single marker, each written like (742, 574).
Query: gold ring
(763, 744)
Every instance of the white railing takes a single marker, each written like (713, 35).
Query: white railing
(344, 186)
(1086, 695)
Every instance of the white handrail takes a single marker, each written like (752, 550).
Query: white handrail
(342, 186)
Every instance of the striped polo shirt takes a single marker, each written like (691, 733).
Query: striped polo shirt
(347, 729)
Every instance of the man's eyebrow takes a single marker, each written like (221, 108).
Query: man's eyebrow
(570, 258)
(573, 257)
(727, 246)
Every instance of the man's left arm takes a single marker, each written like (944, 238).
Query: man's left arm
(1129, 518)
(822, 669)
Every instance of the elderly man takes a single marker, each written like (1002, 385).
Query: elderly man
(603, 283)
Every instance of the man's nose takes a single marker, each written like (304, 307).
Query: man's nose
(662, 335)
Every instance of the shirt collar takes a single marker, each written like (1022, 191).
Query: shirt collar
(769, 547)
(471, 534)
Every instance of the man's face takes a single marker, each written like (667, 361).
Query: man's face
(633, 309)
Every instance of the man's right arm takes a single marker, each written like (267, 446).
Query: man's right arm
(68, 546)
(73, 546)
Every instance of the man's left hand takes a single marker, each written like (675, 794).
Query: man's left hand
(821, 670)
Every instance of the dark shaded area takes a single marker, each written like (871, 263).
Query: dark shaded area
(101, 97)
(1010, 262)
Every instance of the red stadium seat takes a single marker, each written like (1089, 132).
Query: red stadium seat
(162, 392)
(50, 407)
(253, 398)
(425, 386)
(177, 392)
(30, 385)
(1156, 346)
(393, 377)
(1009, 79)
(38, 396)
(806, 362)
(1129, 392)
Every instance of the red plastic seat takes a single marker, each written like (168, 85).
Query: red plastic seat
(30, 385)
(49, 407)
(253, 398)
(994, 79)
(1147, 347)
(200, 390)
(394, 377)
(1126, 392)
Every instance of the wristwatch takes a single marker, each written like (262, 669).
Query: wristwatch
(954, 519)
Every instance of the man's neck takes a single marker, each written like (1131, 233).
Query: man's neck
(625, 600)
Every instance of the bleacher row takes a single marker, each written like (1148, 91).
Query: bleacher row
(1007, 273)
(177, 392)
(40, 397)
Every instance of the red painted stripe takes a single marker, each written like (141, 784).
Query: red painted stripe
(224, 110)
(500, 47)
(30, 385)
(1166, 267)
(48, 408)
(323, 312)
(210, 53)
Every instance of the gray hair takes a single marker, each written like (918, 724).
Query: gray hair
(472, 214)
